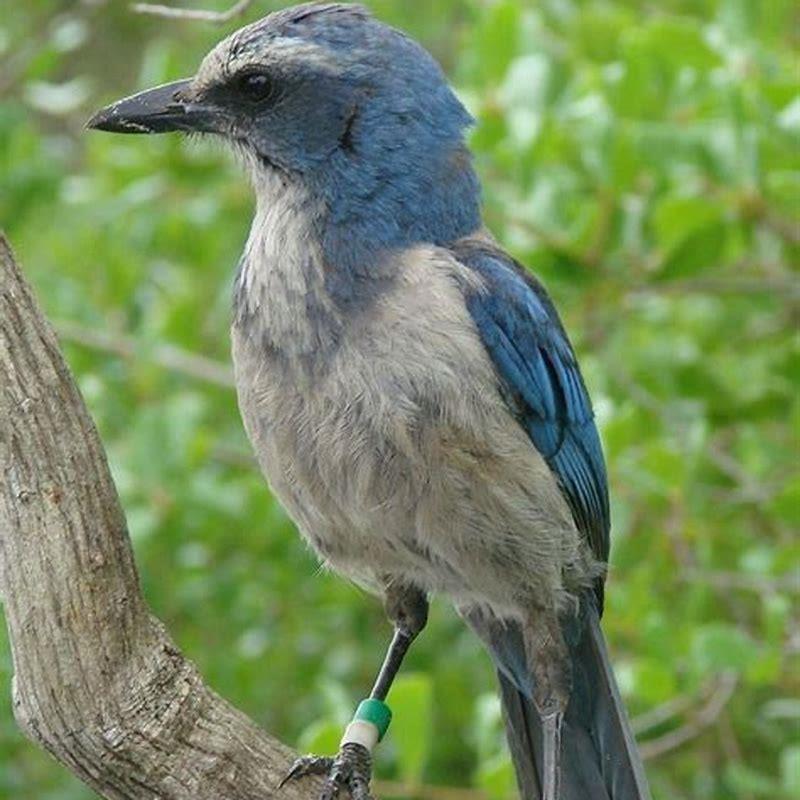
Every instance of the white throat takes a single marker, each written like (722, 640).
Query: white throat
(280, 293)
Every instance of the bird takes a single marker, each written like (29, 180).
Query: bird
(408, 387)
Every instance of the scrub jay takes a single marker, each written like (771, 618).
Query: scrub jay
(408, 387)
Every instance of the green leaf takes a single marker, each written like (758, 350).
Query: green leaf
(786, 504)
(678, 42)
(701, 250)
(676, 217)
(720, 646)
(496, 778)
(487, 724)
(665, 465)
(654, 680)
(321, 738)
(744, 780)
(496, 42)
(598, 30)
(411, 701)
(692, 234)
(790, 770)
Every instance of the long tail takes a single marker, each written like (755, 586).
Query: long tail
(599, 758)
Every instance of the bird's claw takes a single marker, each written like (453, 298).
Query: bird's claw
(351, 770)
(306, 766)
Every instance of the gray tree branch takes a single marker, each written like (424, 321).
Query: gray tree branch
(197, 14)
(98, 682)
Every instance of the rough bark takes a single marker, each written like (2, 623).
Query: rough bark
(98, 681)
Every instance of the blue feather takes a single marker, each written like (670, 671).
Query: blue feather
(541, 380)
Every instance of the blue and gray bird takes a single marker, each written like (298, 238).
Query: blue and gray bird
(408, 388)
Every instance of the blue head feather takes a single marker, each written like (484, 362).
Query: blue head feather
(363, 116)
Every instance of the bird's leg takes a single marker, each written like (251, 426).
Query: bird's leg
(407, 609)
(550, 667)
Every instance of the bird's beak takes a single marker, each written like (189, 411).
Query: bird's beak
(170, 107)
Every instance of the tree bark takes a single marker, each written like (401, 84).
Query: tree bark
(98, 682)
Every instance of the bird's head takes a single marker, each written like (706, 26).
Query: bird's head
(326, 95)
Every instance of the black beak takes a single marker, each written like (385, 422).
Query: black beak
(166, 108)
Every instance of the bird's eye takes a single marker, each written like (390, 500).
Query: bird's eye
(255, 86)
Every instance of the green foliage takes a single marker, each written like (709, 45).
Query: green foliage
(643, 159)
(412, 696)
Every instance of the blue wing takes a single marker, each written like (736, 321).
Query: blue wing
(540, 377)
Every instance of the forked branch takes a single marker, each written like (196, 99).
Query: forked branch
(98, 682)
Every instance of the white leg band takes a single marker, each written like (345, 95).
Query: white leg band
(361, 732)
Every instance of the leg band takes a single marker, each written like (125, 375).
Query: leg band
(369, 725)
(360, 732)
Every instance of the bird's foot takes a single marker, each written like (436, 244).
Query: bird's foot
(351, 770)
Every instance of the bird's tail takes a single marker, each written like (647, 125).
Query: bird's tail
(599, 758)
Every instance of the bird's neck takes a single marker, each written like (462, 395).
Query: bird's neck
(315, 259)
(391, 200)
(280, 299)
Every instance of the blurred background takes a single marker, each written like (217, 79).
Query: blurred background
(644, 159)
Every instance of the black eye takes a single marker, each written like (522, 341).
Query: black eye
(255, 86)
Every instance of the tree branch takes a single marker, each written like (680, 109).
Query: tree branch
(164, 355)
(763, 584)
(197, 14)
(704, 718)
(98, 681)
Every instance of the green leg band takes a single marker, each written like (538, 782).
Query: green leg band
(376, 712)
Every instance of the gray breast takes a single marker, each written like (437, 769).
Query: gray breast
(394, 452)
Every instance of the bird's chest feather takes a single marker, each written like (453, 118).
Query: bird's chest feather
(348, 412)
(390, 445)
